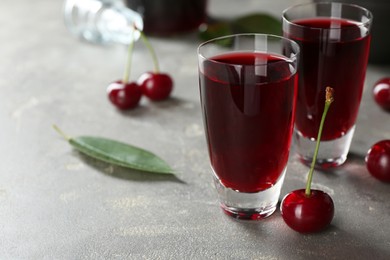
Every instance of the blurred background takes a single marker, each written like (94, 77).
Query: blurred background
(103, 21)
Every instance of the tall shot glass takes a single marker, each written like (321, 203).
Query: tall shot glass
(248, 87)
(334, 39)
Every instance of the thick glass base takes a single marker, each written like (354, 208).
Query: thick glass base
(331, 153)
(249, 206)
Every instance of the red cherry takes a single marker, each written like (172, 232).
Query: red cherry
(156, 86)
(381, 92)
(124, 95)
(308, 210)
(378, 160)
(307, 214)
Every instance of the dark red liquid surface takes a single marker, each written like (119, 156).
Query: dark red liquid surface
(167, 17)
(334, 57)
(248, 116)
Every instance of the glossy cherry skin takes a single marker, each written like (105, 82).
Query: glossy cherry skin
(307, 214)
(124, 96)
(378, 160)
(381, 92)
(156, 86)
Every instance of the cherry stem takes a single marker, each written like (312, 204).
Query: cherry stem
(328, 100)
(126, 74)
(152, 52)
(60, 132)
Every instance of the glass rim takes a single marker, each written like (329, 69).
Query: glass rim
(366, 23)
(292, 58)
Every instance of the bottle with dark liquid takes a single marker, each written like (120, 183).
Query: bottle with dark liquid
(169, 17)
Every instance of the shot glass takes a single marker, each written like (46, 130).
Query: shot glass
(334, 40)
(248, 87)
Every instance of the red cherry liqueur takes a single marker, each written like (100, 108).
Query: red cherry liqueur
(333, 53)
(248, 144)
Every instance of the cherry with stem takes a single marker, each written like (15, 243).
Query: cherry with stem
(155, 85)
(123, 93)
(309, 210)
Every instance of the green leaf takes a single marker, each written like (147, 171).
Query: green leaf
(217, 29)
(118, 153)
(257, 23)
(252, 23)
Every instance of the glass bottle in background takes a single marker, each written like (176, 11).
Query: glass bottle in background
(101, 21)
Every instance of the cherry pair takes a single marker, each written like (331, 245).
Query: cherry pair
(378, 156)
(155, 85)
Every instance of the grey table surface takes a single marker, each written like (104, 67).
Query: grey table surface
(57, 204)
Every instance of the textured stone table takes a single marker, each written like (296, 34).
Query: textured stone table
(58, 204)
